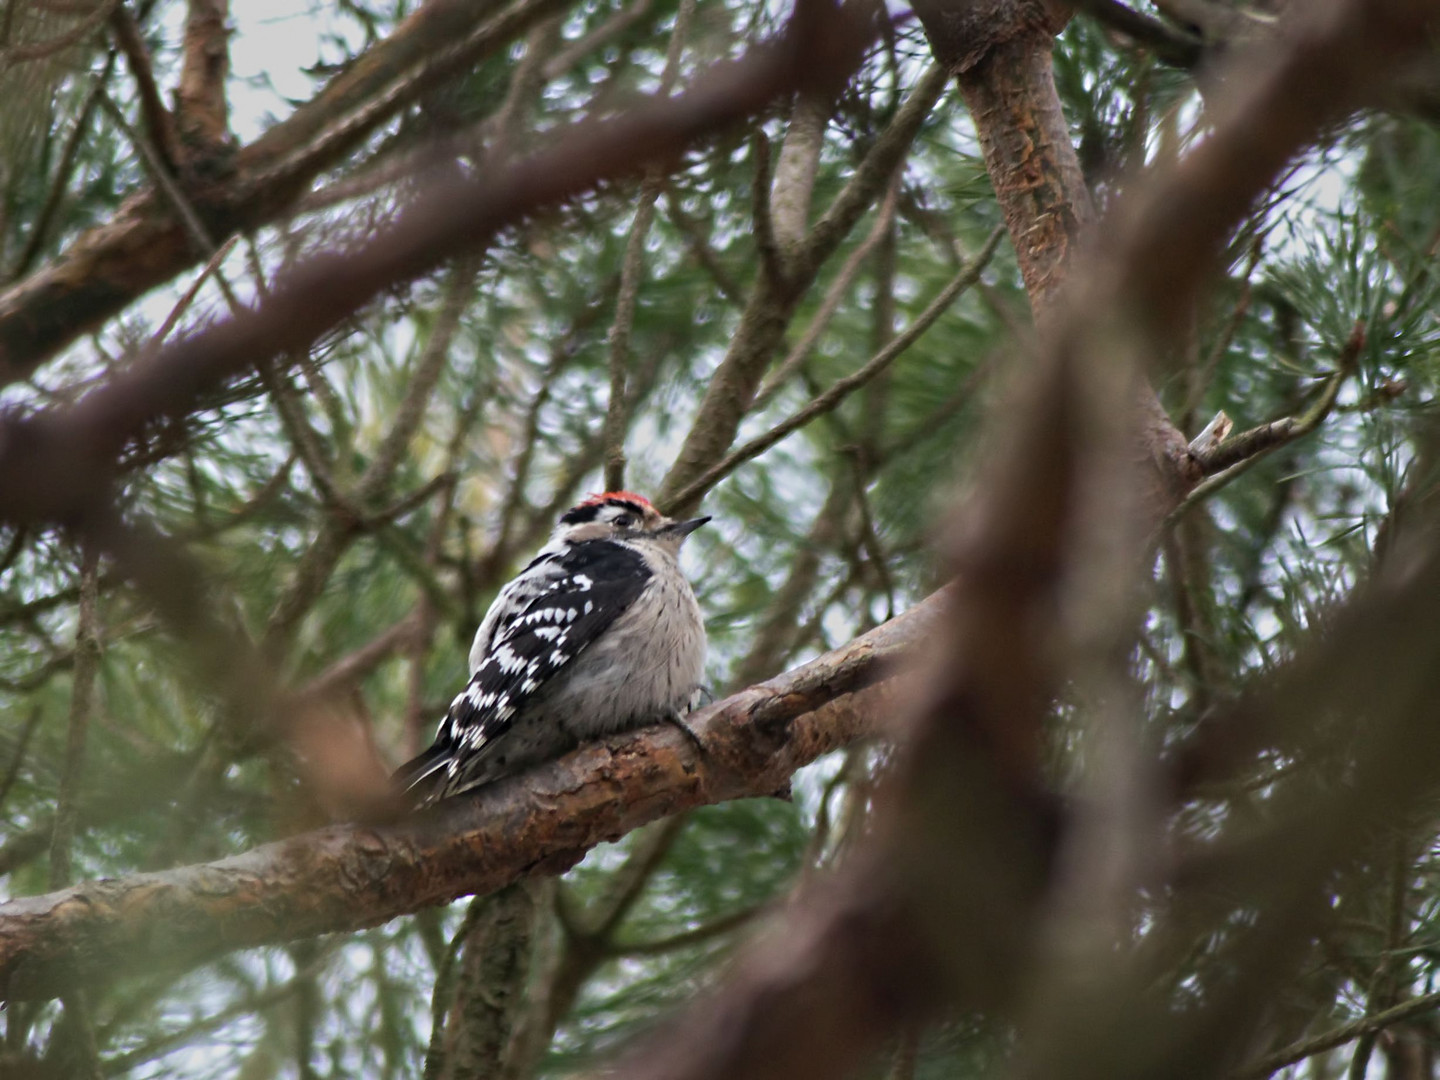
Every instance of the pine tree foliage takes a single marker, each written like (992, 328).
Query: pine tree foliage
(354, 509)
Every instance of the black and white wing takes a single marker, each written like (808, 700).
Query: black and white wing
(578, 592)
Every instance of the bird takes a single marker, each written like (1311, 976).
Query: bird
(600, 633)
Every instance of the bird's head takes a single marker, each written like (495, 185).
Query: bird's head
(623, 515)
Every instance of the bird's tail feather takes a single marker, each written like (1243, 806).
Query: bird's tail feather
(422, 777)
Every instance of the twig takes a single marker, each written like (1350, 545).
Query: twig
(21, 745)
(245, 1007)
(1318, 1044)
(183, 304)
(704, 253)
(1203, 377)
(427, 613)
(698, 935)
(13, 549)
(926, 428)
(63, 173)
(1237, 454)
(562, 353)
(616, 414)
(616, 417)
(303, 437)
(610, 29)
(842, 388)
(760, 207)
(406, 503)
(834, 296)
(159, 124)
(420, 384)
(200, 237)
(1169, 44)
(250, 507)
(82, 705)
(317, 137)
(351, 668)
(626, 885)
(773, 301)
(869, 538)
(877, 168)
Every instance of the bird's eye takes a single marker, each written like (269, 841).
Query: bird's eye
(624, 521)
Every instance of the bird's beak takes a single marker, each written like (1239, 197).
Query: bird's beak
(683, 529)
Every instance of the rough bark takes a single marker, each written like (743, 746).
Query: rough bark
(490, 981)
(347, 877)
(1031, 161)
(1000, 54)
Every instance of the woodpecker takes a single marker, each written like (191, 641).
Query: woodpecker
(600, 633)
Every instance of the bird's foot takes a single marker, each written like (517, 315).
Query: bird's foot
(677, 719)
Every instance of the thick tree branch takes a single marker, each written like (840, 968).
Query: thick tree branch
(1000, 54)
(489, 987)
(795, 174)
(350, 876)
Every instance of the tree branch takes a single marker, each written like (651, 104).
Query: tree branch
(348, 876)
(966, 840)
(1238, 453)
(1328, 1040)
(201, 111)
(82, 706)
(159, 124)
(829, 304)
(795, 170)
(1168, 44)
